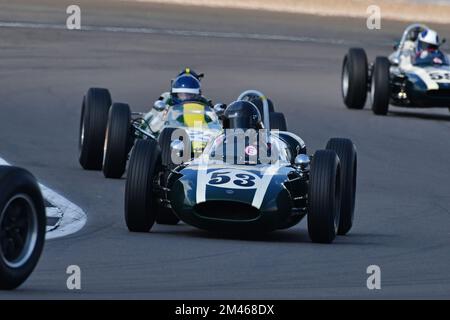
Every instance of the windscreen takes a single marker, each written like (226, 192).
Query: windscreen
(251, 148)
(193, 115)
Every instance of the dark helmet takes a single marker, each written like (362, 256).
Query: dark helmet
(186, 87)
(242, 115)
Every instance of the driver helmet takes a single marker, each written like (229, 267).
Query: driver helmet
(185, 88)
(242, 115)
(428, 40)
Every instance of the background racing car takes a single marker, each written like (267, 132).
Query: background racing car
(219, 195)
(412, 76)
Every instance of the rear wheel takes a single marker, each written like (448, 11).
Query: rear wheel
(346, 151)
(141, 207)
(22, 226)
(324, 196)
(278, 121)
(354, 78)
(258, 102)
(165, 142)
(380, 86)
(94, 117)
(118, 140)
(166, 215)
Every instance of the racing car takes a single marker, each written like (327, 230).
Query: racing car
(22, 226)
(404, 79)
(216, 194)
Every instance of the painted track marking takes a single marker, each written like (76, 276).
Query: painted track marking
(173, 32)
(69, 217)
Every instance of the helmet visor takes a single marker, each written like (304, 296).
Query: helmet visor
(241, 123)
(427, 46)
(184, 96)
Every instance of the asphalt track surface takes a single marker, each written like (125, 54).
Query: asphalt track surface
(403, 198)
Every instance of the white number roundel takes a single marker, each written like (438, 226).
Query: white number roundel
(232, 179)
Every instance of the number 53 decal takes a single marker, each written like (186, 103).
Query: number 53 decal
(232, 179)
(440, 76)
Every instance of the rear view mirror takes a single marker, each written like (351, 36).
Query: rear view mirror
(159, 105)
(219, 109)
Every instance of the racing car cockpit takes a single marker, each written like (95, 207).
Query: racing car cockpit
(188, 114)
(250, 147)
(410, 46)
(407, 43)
(430, 59)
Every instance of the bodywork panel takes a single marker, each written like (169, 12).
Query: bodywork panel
(237, 197)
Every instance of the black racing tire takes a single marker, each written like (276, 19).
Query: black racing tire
(295, 144)
(94, 117)
(257, 101)
(165, 139)
(278, 121)
(166, 215)
(346, 151)
(117, 141)
(324, 196)
(354, 78)
(141, 206)
(22, 226)
(380, 87)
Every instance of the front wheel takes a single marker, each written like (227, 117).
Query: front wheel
(324, 196)
(346, 151)
(117, 141)
(165, 214)
(22, 226)
(141, 207)
(380, 86)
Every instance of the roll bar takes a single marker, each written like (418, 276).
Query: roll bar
(252, 93)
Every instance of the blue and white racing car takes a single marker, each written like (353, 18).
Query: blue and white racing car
(416, 74)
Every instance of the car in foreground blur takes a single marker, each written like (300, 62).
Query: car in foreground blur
(22, 226)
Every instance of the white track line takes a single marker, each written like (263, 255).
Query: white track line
(72, 219)
(183, 33)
